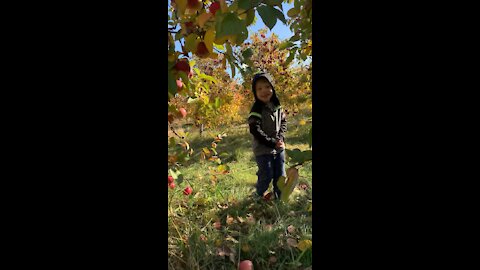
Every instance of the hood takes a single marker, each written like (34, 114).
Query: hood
(267, 76)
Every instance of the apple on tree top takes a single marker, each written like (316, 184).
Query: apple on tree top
(183, 65)
(214, 7)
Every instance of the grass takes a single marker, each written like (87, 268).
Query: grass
(219, 224)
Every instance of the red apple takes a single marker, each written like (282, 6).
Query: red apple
(187, 191)
(179, 84)
(170, 179)
(245, 265)
(183, 65)
(171, 185)
(202, 50)
(214, 7)
(183, 112)
(189, 27)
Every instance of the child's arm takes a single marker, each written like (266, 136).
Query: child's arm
(259, 134)
(283, 127)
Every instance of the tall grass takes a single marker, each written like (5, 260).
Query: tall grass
(220, 224)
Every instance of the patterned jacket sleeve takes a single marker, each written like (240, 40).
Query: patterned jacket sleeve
(283, 127)
(256, 130)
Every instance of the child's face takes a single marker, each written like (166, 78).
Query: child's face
(264, 90)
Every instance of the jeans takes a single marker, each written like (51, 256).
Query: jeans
(270, 167)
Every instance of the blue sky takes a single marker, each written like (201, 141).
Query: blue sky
(280, 29)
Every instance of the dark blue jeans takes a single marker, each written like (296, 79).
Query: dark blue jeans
(270, 167)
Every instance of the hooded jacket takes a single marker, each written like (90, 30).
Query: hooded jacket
(267, 122)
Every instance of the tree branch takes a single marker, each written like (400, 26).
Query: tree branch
(174, 132)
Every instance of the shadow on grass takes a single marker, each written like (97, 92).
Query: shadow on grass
(259, 226)
(229, 148)
(249, 229)
(298, 136)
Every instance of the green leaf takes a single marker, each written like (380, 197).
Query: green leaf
(232, 66)
(291, 56)
(172, 142)
(190, 41)
(230, 58)
(297, 156)
(274, 2)
(172, 83)
(250, 17)
(207, 77)
(177, 175)
(268, 15)
(297, 4)
(244, 4)
(247, 53)
(285, 45)
(294, 38)
(293, 12)
(231, 25)
(217, 102)
(172, 173)
(185, 80)
(279, 15)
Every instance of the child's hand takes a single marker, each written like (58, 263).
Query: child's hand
(280, 144)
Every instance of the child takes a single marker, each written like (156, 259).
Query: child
(268, 126)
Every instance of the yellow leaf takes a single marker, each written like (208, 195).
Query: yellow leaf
(172, 57)
(201, 201)
(209, 37)
(245, 248)
(223, 6)
(203, 18)
(181, 6)
(290, 184)
(293, 12)
(302, 122)
(243, 15)
(304, 245)
(222, 40)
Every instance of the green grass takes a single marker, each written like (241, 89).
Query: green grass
(250, 230)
